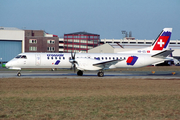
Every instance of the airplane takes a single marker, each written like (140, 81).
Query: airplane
(156, 53)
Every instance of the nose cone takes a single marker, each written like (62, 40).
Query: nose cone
(12, 65)
(7, 65)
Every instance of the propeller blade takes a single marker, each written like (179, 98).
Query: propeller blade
(73, 56)
(74, 68)
(73, 61)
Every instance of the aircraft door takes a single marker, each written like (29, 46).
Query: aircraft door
(38, 60)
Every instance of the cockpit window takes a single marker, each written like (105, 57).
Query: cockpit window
(24, 56)
(21, 56)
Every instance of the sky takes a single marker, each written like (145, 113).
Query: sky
(144, 18)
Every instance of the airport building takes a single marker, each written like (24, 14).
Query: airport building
(128, 44)
(39, 41)
(80, 42)
(11, 43)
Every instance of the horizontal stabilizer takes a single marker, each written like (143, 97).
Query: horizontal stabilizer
(163, 54)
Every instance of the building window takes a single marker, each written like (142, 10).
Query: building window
(69, 40)
(69, 45)
(148, 42)
(32, 48)
(70, 36)
(83, 46)
(76, 46)
(76, 51)
(90, 47)
(50, 41)
(95, 36)
(32, 41)
(69, 50)
(76, 41)
(90, 41)
(83, 41)
(95, 42)
(91, 36)
(50, 49)
(83, 36)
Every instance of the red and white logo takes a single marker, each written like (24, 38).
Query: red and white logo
(161, 42)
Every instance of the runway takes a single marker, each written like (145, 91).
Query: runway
(89, 74)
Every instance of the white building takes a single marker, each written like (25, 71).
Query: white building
(120, 45)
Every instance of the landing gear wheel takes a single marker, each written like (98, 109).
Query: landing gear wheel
(80, 73)
(100, 74)
(18, 74)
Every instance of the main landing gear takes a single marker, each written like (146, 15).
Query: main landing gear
(19, 73)
(100, 73)
(80, 73)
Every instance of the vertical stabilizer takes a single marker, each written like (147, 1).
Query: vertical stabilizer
(162, 41)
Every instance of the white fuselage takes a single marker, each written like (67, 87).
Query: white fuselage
(85, 60)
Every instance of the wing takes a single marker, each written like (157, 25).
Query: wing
(93, 64)
(107, 63)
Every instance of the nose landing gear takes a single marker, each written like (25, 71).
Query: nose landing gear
(18, 73)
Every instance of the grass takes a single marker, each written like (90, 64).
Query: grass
(99, 107)
(25, 98)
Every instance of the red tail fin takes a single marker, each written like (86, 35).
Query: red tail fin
(163, 39)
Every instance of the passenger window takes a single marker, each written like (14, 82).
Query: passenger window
(102, 58)
(59, 57)
(106, 58)
(110, 58)
(52, 58)
(113, 58)
(55, 57)
(64, 58)
(117, 58)
(48, 58)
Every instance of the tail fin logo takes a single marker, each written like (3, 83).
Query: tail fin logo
(163, 40)
(161, 43)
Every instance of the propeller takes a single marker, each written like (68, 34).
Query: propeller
(73, 61)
